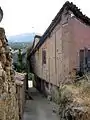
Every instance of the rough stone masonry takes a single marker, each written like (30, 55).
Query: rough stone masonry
(8, 97)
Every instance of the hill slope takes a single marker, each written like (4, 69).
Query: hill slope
(26, 37)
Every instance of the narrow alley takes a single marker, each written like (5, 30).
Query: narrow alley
(44, 60)
(39, 108)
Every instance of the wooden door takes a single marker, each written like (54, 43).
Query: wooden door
(81, 54)
(88, 60)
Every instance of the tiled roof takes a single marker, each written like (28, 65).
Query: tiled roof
(69, 6)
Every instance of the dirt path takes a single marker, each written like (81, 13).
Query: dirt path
(39, 108)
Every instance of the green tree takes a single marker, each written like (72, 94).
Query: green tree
(20, 61)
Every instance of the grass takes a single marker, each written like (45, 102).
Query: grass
(73, 98)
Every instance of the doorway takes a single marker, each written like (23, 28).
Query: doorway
(84, 60)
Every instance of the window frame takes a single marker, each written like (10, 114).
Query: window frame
(43, 56)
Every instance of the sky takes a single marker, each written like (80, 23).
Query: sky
(33, 16)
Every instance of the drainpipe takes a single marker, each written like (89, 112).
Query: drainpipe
(55, 59)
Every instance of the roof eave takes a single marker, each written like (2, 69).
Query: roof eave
(69, 6)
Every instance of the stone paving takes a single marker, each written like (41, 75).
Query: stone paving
(39, 108)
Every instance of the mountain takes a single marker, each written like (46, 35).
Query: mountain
(25, 37)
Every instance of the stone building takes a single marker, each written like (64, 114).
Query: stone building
(64, 49)
(8, 99)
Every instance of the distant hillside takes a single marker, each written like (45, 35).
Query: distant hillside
(26, 37)
(20, 45)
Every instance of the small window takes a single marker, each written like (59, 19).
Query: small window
(72, 15)
(43, 56)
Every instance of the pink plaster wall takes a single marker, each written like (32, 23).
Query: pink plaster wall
(79, 38)
(69, 38)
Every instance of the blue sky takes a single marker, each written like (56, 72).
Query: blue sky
(25, 16)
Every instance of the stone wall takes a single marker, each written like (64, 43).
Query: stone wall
(20, 79)
(8, 99)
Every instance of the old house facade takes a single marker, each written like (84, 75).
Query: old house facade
(63, 49)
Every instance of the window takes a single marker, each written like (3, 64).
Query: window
(72, 15)
(43, 56)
